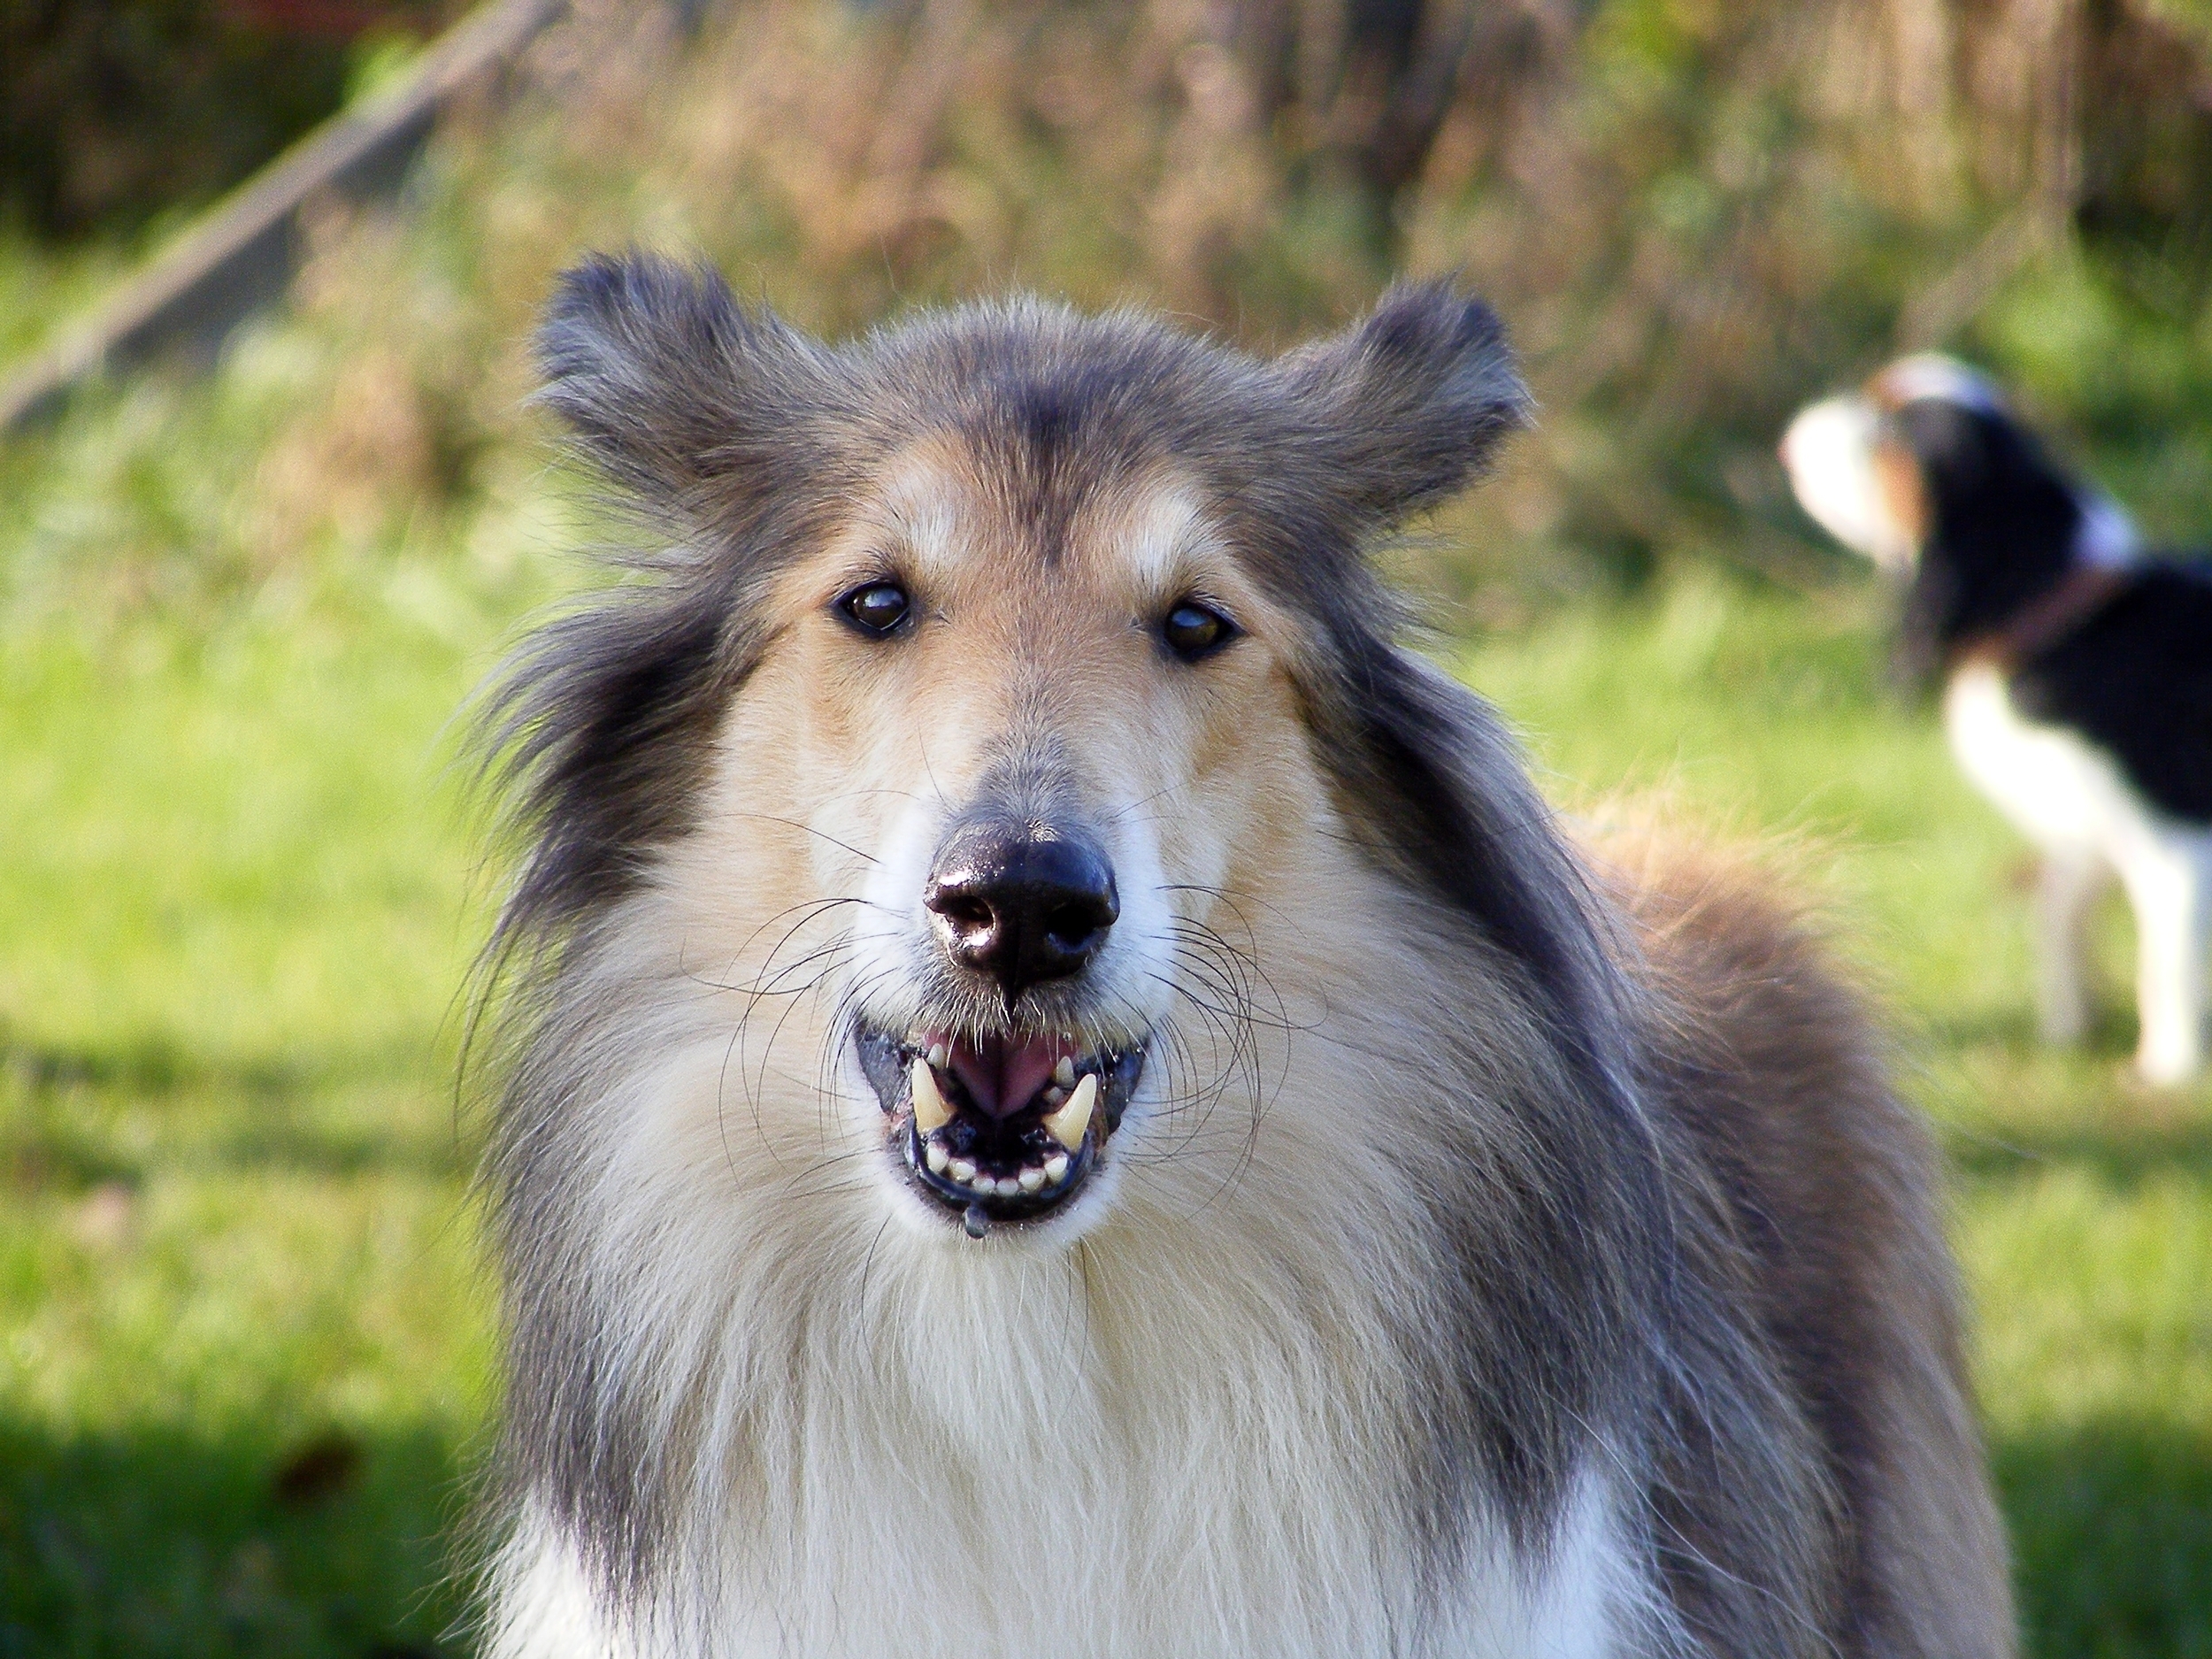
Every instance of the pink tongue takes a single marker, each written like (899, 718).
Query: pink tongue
(1003, 1077)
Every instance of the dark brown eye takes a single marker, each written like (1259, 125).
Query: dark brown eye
(1192, 630)
(876, 609)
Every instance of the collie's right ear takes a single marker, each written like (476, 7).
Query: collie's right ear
(695, 408)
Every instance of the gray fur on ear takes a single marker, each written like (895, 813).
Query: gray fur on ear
(1416, 396)
(696, 408)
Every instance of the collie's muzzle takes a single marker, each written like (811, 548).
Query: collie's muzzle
(1007, 1125)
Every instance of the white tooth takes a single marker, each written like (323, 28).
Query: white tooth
(937, 1055)
(930, 1110)
(1064, 1073)
(1008, 1185)
(1030, 1179)
(983, 1186)
(962, 1169)
(1067, 1125)
(937, 1157)
(1055, 1095)
(1056, 1167)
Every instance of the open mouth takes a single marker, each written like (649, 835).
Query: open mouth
(998, 1129)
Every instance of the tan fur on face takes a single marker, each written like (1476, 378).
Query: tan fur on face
(1193, 772)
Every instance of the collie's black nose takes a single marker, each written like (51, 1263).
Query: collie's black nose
(1022, 902)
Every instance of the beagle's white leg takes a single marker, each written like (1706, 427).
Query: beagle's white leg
(2067, 886)
(2169, 887)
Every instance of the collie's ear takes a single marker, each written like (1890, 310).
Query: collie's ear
(1414, 399)
(675, 392)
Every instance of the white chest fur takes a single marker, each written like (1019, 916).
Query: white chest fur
(1586, 1602)
(1217, 1547)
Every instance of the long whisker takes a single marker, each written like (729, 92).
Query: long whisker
(796, 824)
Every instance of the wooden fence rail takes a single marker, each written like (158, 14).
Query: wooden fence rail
(242, 255)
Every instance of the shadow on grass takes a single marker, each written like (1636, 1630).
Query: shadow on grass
(151, 1066)
(154, 1066)
(60, 1160)
(236, 1114)
(2123, 1151)
(2111, 1033)
(2112, 1542)
(155, 1543)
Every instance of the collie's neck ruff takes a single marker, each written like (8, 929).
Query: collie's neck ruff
(1067, 1095)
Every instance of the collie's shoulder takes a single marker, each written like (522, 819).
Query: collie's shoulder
(1725, 923)
(1763, 1043)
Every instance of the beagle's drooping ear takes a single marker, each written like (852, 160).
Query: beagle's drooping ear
(699, 411)
(1414, 400)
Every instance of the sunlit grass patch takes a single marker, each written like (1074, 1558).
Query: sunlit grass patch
(246, 1335)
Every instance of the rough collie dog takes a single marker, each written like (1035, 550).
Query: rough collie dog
(2078, 670)
(1069, 1098)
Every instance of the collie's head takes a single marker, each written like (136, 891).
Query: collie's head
(1007, 677)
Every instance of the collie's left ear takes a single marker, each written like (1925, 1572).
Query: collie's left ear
(1415, 399)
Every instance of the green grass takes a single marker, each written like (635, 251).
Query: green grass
(244, 1344)
(236, 912)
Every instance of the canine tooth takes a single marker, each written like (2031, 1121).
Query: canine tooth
(937, 1055)
(1064, 1073)
(1030, 1179)
(1067, 1125)
(937, 1157)
(1008, 1185)
(1056, 1167)
(930, 1110)
(962, 1169)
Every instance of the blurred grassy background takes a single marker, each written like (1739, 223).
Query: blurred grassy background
(246, 1347)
